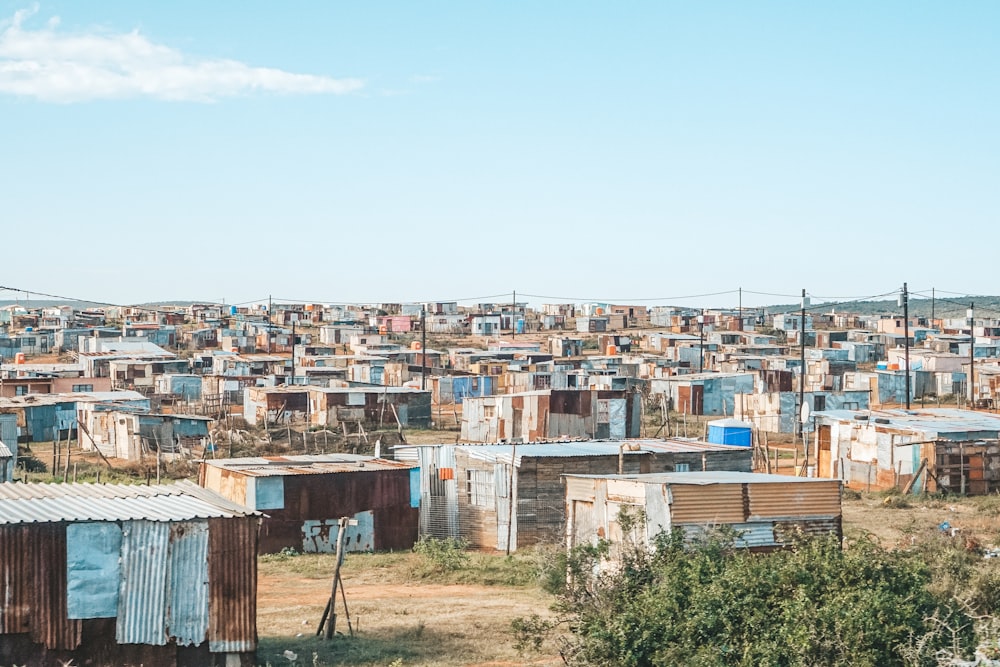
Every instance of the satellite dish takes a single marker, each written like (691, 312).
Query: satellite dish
(804, 413)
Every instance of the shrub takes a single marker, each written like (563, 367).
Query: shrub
(444, 555)
(709, 603)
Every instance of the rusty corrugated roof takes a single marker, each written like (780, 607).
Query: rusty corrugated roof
(50, 503)
(305, 464)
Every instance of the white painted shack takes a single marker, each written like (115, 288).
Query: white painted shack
(765, 511)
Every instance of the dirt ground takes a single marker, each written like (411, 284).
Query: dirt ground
(395, 617)
(897, 520)
(402, 619)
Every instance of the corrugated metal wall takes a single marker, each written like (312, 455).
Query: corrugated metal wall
(719, 503)
(16, 579)
(187, 602)
(788, 500)
(232, 598)
(142, 602)
(50, 624)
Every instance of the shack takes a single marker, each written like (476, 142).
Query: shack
(704, 393)
(508, 496)
(944, 449)
(126, 575)
(552, 413)
(764, 511)
(304, 496)
(45, 417)
(375, 405)
(134, 434)
(8, 462)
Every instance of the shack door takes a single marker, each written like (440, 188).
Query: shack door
(697, 399)
(684, 400)
(825, 464)
(506, 515)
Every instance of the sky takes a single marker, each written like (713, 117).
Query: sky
(386, 152)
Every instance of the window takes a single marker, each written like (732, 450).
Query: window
(682, 467)
(83, 387)
(21, 390)
(479, 486)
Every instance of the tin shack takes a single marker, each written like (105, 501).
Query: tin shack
(944, 449)
(508, 496)
(101, 574)
(551, 413)
(304, 496)
(765, 511)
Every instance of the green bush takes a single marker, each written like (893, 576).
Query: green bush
(711, 604)
(443, 555)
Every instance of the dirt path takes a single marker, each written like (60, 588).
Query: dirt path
(416, 623)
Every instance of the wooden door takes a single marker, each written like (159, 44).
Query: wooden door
(825, 462)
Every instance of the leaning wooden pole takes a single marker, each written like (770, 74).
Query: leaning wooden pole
(330, 615)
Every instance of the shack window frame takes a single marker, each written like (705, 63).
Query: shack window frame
(479, 488)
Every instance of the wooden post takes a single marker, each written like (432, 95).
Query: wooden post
(961, 467)
(157, 439)
(331, 625)
(69, 454)
(916, 476)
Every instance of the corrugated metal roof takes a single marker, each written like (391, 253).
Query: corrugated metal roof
(47, 503)
(713, 477)
(5, 452)
(588, 448)
(34, 400)
(928, 421)
(305, 464)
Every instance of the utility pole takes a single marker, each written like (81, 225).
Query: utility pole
(905, 298)
(972, 355)
(933, 295)
(701, 341)
(513, 318)
(741, 309)
(423, 347)
(802, 359)
(293, 356)
(269, 310)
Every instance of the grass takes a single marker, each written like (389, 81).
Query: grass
(405, 567)
(402, 609)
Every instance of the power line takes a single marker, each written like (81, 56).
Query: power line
(632, 299)
(365, 303)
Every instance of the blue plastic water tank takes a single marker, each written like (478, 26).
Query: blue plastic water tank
(730, 432)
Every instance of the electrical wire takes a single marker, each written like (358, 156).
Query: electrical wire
(631, 299)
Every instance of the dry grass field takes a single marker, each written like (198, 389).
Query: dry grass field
(402, 611)
(406, 613)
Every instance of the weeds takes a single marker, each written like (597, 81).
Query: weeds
(443, 555)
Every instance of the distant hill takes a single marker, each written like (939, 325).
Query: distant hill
(950, 307)
(47, 303)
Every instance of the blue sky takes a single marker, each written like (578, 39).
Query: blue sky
(406, 151)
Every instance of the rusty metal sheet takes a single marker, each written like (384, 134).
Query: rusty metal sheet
(232, 594)
(707, 504)
(16, 581)
(50, 623)
(808, 498)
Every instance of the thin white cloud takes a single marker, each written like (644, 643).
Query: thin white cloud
(424, 78)
(54, 66)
